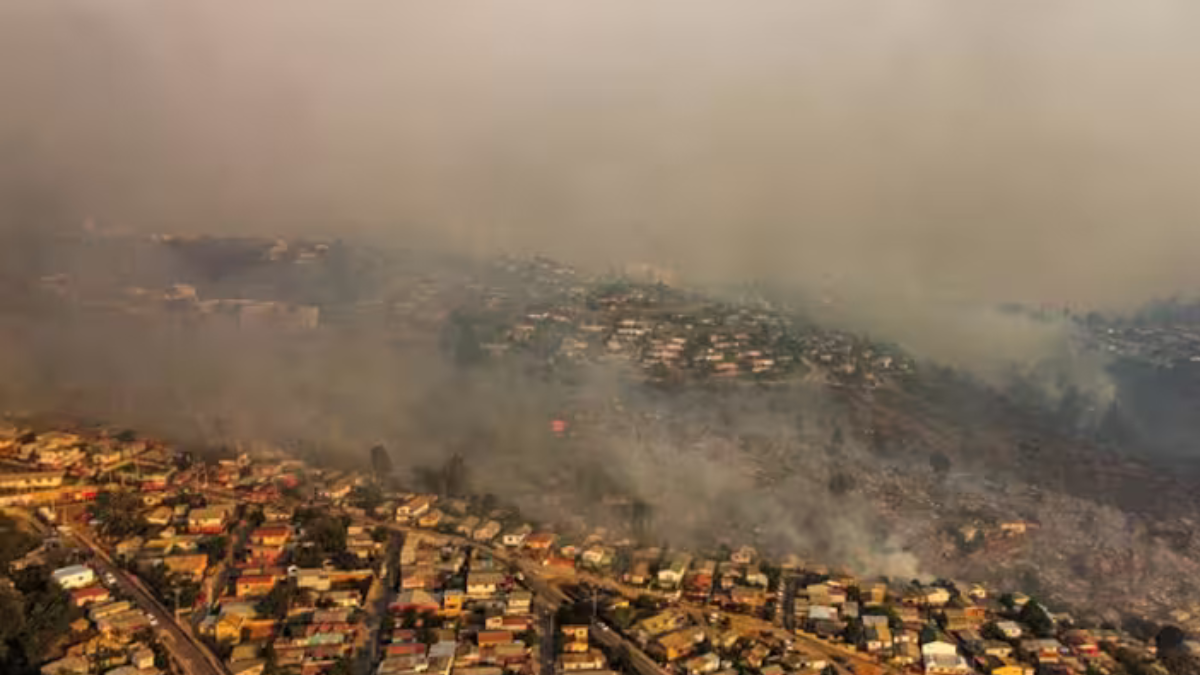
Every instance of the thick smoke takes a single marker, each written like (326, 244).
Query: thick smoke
(910, 165)
(1001, 152)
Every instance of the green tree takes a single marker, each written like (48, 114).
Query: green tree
(47, 613)
(328, 534)
(277, 602)
(366, 497)
(15, 541)
(119, 514)
(213, 547)
(255, 518)
(342, 666)
(12, 608)
(1037, 618)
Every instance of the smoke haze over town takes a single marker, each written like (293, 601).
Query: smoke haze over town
(921, 179)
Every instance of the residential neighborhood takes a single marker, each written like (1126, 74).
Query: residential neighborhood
(261, 564)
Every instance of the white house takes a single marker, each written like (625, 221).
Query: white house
(942, 658)
(1010, 629)
(516, 538)
(75, 576)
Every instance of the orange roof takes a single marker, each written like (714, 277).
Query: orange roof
(271, 531)
(540, 539)
(494, 636)
(255, 580)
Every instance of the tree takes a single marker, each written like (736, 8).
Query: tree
(1009, 601)
(119, 514)
(328, 534)
(624, 617)
(45, 615)
(255, 518)
(12, 608)
(366, 497)
(342, 666)
(1036, 617)
(15, 541)
(277, 602)
(1169, 638)
(214, 547)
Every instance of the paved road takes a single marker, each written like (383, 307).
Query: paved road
(614, 641)
(192, 656)
(376, 603)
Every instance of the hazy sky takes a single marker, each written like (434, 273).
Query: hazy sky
(1028, 150)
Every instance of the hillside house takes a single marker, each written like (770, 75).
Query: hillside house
(942, 658)
(516, 538)
(73, 576)
(681, 643)
(210, 520)
(271, 535)
(415, 507)
(191, 565)
(486, 532)
(483, 584)
(254, 585)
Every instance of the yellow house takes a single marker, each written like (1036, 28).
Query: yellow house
(190, 565)
(680, 643)
(229, 627)
(452, 602)
(662, 622)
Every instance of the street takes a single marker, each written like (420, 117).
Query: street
(191, 655)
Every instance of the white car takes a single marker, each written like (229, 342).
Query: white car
(153, 620)
(110, 579)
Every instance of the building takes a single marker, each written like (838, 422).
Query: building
(516, 538)
(75, 576)
(415, 507)
(483, 584)
(681, 643)
(430, 519)
(518, 602)
(89, 595)
(271, 535)
(415, 600)
(672, 574)
(592, 659)
(1010, 629)
(489, 638)
(663, 622)
(701, 665)
(210, 520)
(487, 531)
(31, 480)
(254, 585)
(190, 565)
(942, 658)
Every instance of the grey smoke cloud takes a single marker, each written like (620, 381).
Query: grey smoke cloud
(985, 151)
